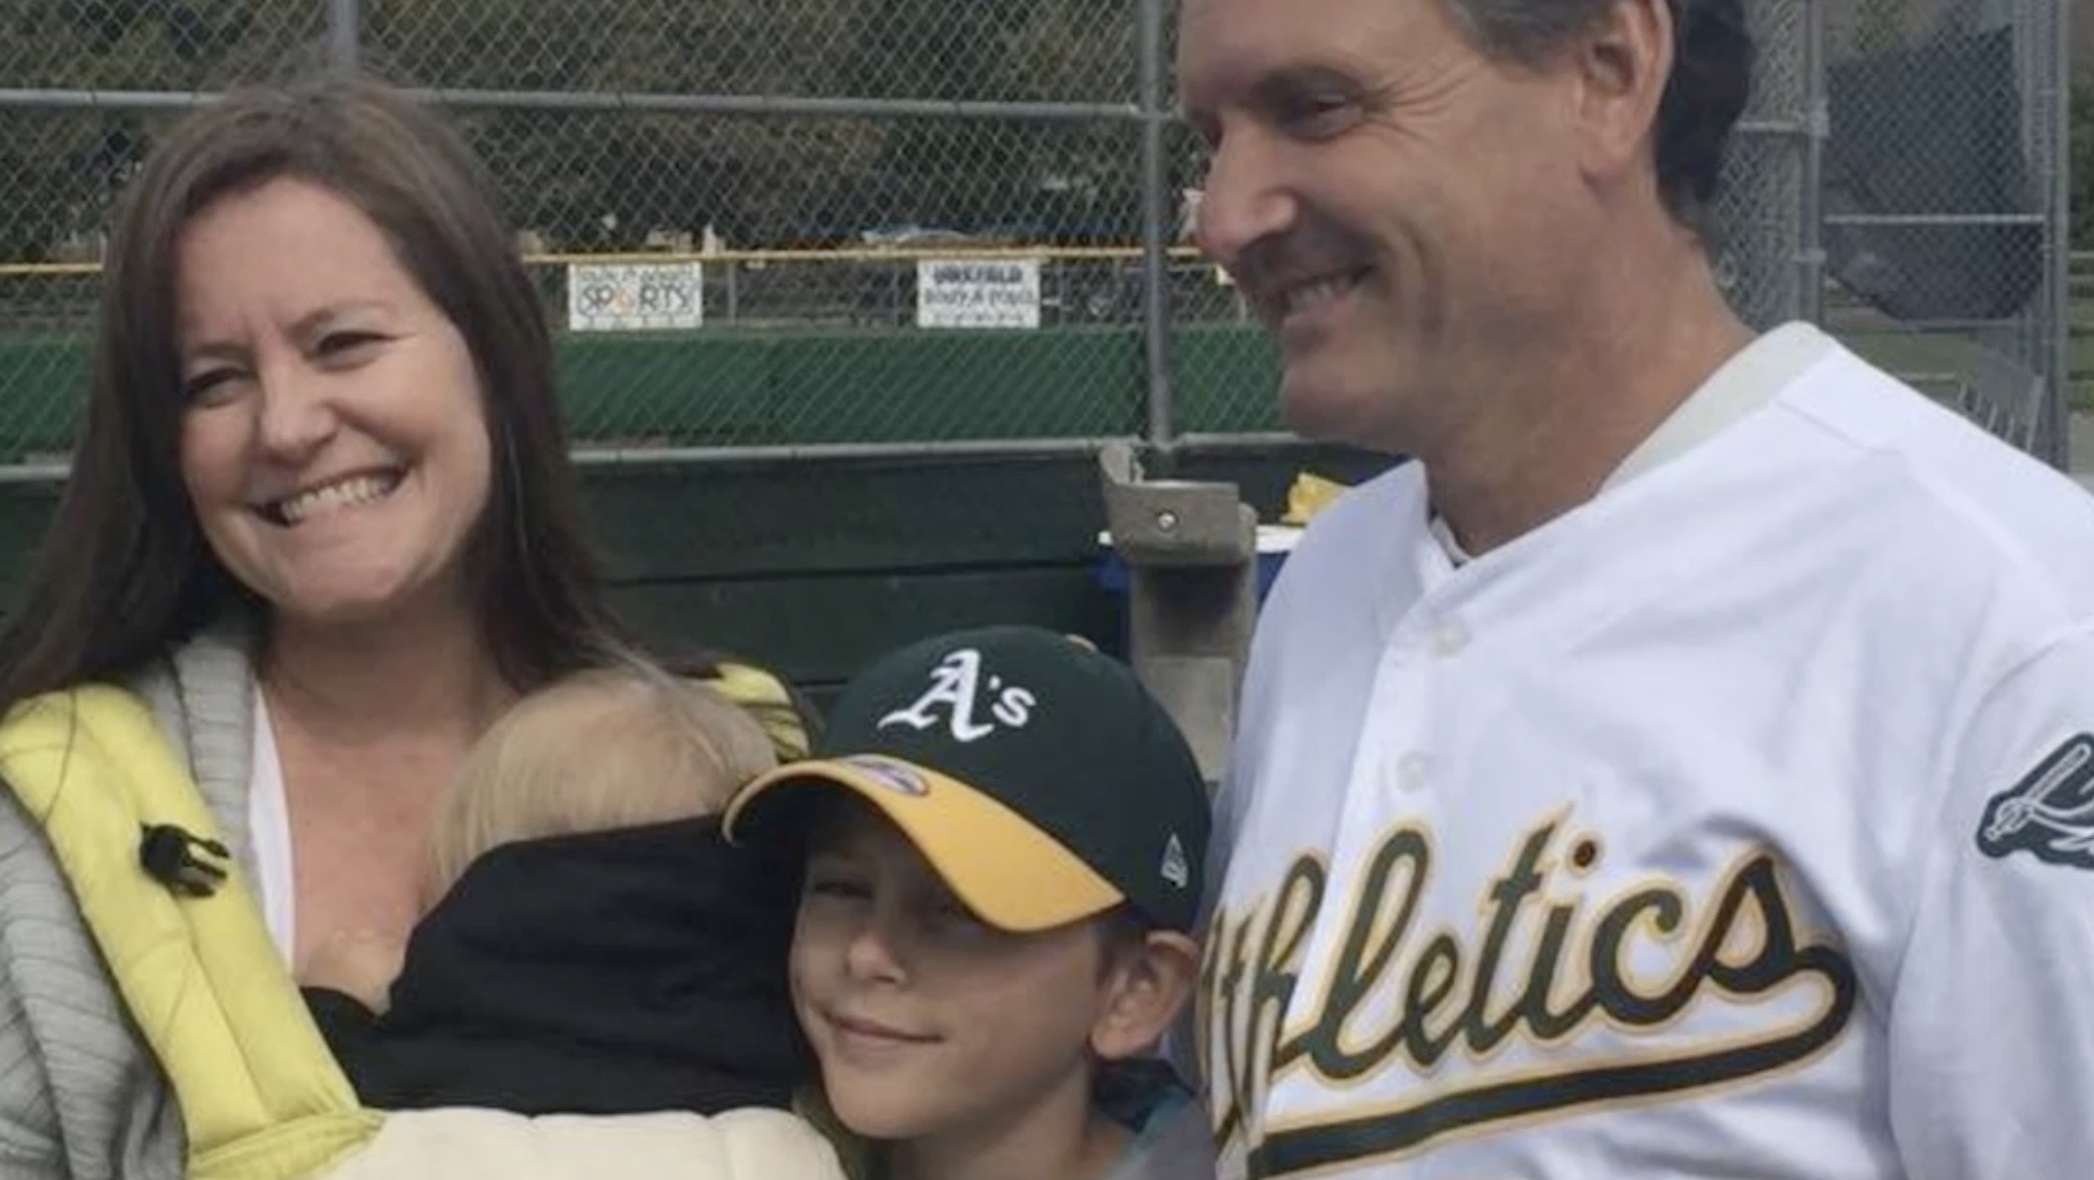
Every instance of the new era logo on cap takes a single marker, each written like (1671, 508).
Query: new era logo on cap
(1175, 869)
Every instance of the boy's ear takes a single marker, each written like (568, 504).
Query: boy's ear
(1144, 992)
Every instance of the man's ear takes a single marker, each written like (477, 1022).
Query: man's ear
(1144, 992)
(1623, 63)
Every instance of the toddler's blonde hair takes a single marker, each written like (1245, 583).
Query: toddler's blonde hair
(596, 750)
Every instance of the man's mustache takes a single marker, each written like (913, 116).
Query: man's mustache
(1273, 263)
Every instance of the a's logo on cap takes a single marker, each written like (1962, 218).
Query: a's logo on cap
(1176, 869)
(956, 688)
(896, 777)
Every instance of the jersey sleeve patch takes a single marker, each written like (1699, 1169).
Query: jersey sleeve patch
(2049, 814)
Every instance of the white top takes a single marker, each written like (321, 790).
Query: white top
(269, 831)
(1739, 821)
(1748, 382)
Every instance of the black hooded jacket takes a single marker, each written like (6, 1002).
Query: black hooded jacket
(617, 972)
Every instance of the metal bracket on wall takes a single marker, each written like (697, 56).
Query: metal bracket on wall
(1190, 549)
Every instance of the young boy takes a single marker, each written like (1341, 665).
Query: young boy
(1002, 834)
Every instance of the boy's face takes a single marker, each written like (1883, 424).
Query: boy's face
(926, 1020)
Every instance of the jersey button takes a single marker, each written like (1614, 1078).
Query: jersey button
(1411, 773)
(1449, 638)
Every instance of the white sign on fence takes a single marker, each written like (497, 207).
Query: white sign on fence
(977, 293)
(635, 297)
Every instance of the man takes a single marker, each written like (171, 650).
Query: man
(1681, 769)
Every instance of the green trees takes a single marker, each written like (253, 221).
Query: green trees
(1879, 26)
(604, 179)
(59, 169)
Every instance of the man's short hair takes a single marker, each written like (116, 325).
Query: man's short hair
(1711, 80)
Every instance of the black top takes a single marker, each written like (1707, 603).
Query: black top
(611, 973)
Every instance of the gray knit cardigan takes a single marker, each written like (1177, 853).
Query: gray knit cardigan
(81, 1097)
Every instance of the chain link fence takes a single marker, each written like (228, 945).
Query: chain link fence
(900, 226)
(1943, 203)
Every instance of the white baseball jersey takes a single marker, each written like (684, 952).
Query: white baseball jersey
(1737, 823)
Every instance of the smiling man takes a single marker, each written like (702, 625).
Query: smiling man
(1680, 769)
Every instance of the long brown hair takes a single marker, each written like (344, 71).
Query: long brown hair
(124, 570)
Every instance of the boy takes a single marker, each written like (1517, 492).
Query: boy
(1003, 835)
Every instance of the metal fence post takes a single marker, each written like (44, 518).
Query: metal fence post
(1191, 552)
(2056, 445)
(1817, 127)
(344, 24)
(1161, 427)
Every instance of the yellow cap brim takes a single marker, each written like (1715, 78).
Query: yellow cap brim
(1009, 873)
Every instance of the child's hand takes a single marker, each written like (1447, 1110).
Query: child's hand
(359, 963)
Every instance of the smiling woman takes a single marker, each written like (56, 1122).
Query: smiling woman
(333, 444)
(286, 259)
(321, 520)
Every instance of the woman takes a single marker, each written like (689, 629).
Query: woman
(321, 518)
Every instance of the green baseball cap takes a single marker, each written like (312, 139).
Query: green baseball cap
(1038, 777)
